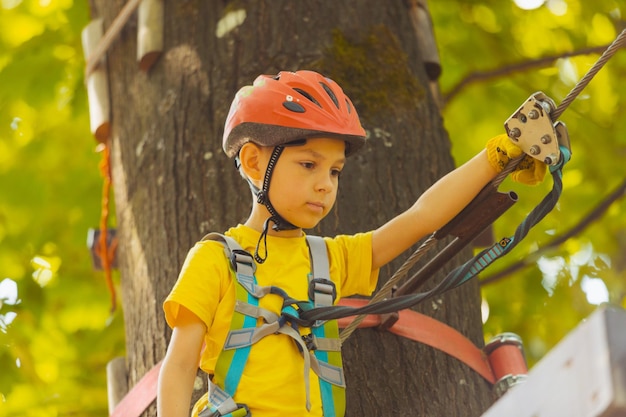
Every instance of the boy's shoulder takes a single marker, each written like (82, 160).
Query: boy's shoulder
(213, 247)
(207, 252)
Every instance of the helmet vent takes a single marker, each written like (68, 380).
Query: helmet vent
(349, 107)
(308, 96)
(332, 95)
(293, 106)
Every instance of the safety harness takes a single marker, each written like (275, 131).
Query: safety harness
(321, 348)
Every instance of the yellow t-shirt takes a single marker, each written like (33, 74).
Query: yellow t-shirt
(272, 383)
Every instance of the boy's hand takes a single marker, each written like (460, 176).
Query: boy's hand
(500, 150)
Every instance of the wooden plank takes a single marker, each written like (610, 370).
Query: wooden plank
(583, 376)
(117, 385)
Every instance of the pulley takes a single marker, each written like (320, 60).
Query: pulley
(531, 127)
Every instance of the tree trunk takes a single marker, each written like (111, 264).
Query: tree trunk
(173, 183)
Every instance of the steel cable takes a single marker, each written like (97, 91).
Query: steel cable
(619, 42)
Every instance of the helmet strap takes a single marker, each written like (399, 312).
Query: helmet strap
(262, 197)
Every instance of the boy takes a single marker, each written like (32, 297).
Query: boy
(294, 131)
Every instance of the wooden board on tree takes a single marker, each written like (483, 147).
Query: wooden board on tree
(583, 376)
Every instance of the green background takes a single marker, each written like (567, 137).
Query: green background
(56, 329)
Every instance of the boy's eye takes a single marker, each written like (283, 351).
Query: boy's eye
(307, 165)
(336, 173)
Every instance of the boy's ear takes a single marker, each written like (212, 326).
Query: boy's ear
(251, 159)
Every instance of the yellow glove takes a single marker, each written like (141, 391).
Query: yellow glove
(500, 150)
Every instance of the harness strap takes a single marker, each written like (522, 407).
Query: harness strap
(328, 344)
(248, 336)
(247, 280)
(321, 350)
(220, 404)
(319, 260)
(255, 311)
(230, 362)
(324, 338)
(220, 400)
(321, 289)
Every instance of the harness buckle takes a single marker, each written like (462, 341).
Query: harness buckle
(323, 286)
(309, 340)
(240, 256)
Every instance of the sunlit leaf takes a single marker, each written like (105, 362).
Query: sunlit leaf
(602, 31)
(17, 28)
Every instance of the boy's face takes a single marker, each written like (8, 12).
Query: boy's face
(304, 184)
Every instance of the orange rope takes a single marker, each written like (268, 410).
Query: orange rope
(106, 254)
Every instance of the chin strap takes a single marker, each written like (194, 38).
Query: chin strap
(263, 239)
(262, 197)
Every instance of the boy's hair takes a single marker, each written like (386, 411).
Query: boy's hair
(280, 109)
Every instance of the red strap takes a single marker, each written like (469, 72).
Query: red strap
(412, 325)
(424, 329)
(140, 396)
(507, 360)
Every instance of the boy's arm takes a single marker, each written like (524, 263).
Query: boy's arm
(433, 209)
(180, 366)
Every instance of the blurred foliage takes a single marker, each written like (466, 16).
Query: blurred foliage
(477, 41)
(56, 330)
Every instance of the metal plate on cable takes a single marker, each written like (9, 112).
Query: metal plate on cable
(532, 129)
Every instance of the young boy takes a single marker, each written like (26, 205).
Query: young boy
(293, 131)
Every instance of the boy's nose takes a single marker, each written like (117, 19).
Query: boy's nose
(325, 183)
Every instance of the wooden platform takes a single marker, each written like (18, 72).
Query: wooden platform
(583, 376)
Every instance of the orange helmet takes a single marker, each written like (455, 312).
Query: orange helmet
(279, 109)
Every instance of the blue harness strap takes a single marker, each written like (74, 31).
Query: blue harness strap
(321, 349)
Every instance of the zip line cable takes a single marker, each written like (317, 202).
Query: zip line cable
(618, 43)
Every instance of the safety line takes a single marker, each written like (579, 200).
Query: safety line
(106, 253)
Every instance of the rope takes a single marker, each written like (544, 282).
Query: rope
(106, 253)
(111, 34)
(385, 291)
(619, 42)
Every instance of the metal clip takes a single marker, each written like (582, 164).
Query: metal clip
(309, 341)
(531, 128)
(240, 256)
(322, 286)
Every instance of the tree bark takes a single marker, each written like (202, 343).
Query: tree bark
(173, 183)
